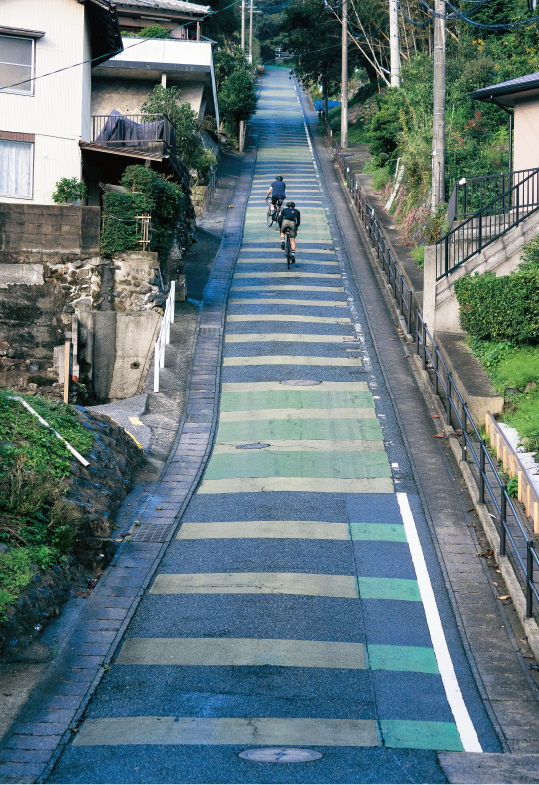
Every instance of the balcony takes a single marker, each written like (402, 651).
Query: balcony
(150, 137)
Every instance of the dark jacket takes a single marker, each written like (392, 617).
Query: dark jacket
(290, 214)
(278, 188)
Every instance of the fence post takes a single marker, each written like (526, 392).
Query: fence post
(482, 448)
(409, 319)
(503, 515)
(436, 364)
(529, 579)
(448, 402)
(417, 331)
(464, 427)
(424, 342)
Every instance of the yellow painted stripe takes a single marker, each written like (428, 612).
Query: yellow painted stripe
(299, 484)
(257, 583)
(279, 260)
(273, 386)
(294, 274)
(253, 415)
(264, 248)
(304, 530)
(279, 288)
(265, 317)
(306, 445)
(242, 652)
(295, 337)
(285, 359)
(287, 301)
(237, 731)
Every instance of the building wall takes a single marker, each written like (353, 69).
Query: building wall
(54, 112)
(125, 95)
(526, 144)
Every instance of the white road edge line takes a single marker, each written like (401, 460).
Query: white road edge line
(463, 721)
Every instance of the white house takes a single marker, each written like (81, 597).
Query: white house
(47, 51)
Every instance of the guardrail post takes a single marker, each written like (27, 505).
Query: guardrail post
(529, 579)
(409, 319)
(436, 364)
(446, 251)
(482, 449)
(417, 332)
(464, 427)
(424, 342)
(503, 515)
(448, 401)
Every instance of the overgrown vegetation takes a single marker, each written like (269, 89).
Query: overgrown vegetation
(36, 521)
(235, 88)
(147, 193)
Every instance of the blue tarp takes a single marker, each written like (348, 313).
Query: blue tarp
(331, 104)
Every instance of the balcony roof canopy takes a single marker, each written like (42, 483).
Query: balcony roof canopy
(515, 91)
(157, 9)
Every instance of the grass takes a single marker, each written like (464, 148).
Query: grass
(36, 521)
(418, 255)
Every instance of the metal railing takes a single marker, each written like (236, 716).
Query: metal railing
(486, 225)
(471, 194)
(164, 336)
(211, 186)
(133, 130)
(513, 536)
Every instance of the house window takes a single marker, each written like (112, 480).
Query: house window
(16, 64)
(16, 168)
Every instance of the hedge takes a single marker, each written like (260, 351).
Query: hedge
(504, 308)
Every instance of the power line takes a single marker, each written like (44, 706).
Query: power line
(112, 54)
(459, 15)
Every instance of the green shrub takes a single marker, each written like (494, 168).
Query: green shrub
(380, 178)
(154, 31)
(500, 308)
(69, 191)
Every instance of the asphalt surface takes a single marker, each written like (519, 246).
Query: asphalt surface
(301, 604)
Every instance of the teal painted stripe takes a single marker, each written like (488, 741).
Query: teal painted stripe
(296, 398)
(421, 735)
(383, 532)
(388, 589)
(418, 659)
(266, 430)
(258, 463)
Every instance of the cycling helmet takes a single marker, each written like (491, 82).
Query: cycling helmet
(290, 204)
(278, 177)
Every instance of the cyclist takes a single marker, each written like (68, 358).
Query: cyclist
(290, 218)
(277, 190)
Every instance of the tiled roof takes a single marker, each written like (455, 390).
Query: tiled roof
(177, 6)
(518, 85)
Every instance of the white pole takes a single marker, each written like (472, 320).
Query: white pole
(394, 42)
(438, 126)
(344, 77)
(243, 26)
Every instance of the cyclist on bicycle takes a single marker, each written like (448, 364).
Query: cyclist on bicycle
(289, 218)
(277, 190)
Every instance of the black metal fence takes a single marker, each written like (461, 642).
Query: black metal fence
(133, 130)
(513, 197)
(514, 539)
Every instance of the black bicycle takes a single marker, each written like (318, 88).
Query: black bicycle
(288, 248)
(272, 214)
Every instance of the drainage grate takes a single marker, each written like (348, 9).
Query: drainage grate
(222, 276)
(232, 234)
(152, 532)
(198, 417)
(281, 755)
(210, 331)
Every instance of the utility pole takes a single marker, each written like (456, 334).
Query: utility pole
(344, 77)
(438, 126)
(394, 43)
(251, 31)
(243, 26)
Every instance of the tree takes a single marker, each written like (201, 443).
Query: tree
(237, 99)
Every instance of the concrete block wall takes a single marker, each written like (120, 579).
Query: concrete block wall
(125, 95)
(440, 306)
(47, 229)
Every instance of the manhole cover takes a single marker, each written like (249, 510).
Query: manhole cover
(281, 755)
(255, 446)
(301, 382)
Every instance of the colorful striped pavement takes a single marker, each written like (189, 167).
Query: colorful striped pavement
(295, 606)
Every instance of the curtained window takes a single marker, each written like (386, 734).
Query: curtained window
(16, 168)
(16, 64)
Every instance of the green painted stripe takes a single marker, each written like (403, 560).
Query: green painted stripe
(388, 589)
(264, 317)
(269, 430)
(236, 731)
(247, 415)
(287, 301)
(418, 659)
(242, 652)
(421, 735)
(285, 359)
(293, 530)
(297, 583)
(279, 260)
(312, 445)
(259, 463)
(279, 288)
(239, 387)
(382, 532)
(284, 274)
(298, 484)
(263, 248)
(285, 397)
(280, 337)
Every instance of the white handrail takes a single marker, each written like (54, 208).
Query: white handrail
(164, 336)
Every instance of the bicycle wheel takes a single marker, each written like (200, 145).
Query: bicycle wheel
(288, 251)
(269, 217)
